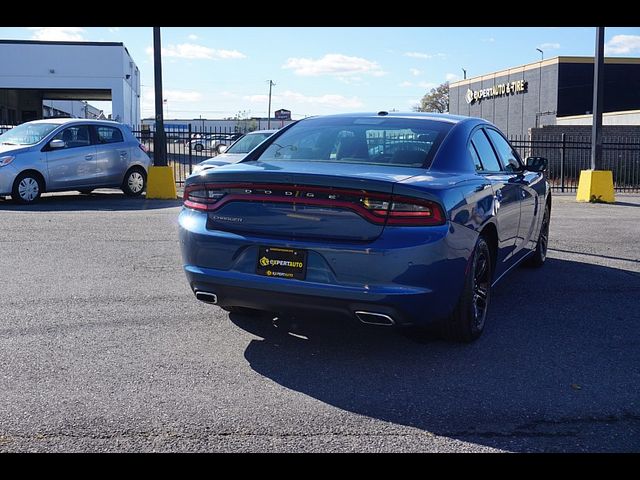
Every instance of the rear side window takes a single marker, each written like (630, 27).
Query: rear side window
(109, 135)
(509, 157)
(476, 159)
(485, 151)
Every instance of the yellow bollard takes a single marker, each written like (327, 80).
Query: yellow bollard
(596, 186)
(161, 184)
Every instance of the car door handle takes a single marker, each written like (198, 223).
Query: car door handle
(88, 157)
(523, 193)
(499, 194)
(123, 154)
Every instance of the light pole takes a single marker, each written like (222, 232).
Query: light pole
(464, 73)
(539, 84)
(598, 102)
(271, 84)
(159, 139)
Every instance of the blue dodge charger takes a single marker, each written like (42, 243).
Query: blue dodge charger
(389, 218)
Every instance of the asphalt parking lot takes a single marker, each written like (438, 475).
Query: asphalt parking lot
(104, 348)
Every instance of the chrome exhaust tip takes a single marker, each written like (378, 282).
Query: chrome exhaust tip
(207, 297)
(372, 318)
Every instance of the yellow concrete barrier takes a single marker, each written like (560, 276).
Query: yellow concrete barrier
(161, 184)
(596, 186)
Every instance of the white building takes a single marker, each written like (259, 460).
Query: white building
(70, 108)
(34, 71)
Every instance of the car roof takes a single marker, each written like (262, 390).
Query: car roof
(62, 121)
(442, 117)
(261, 131)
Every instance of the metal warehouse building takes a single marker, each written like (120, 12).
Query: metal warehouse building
(537, 94)
(35, 71)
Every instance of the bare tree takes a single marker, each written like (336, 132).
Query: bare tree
(437, 100)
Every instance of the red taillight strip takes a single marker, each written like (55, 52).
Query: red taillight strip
(391, 217)
(283, 187)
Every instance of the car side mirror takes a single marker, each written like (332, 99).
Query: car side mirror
(222, 148)
(53, 144)
(537, 164)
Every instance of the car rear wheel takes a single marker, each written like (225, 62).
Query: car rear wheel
(134, 182)
(467, 321)
(27, 188)
(198, 147)
(540, 254)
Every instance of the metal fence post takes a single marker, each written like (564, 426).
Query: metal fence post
(189, 143)
(562, 151)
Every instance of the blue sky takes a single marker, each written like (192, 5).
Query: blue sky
(217, 72)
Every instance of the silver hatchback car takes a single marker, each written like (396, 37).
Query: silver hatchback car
(70, 154)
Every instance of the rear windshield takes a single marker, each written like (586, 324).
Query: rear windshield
(248, 142)
(369, 140)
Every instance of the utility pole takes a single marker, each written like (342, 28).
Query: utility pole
(271, 84)
(596, 184)
(598, 102)
(159, 138)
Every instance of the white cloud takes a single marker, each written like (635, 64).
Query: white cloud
(228, 54)
(427, 85)
(415, 72)
(182, 95)
(334, 64)
(622, 45)
(113, 29)
(405, 84)
(330, 100)
(193, 37)
(174, 99)
(549, 46)
(60, 34)
(451, 77)
(197, 52)
(357, 81)
(424, 56)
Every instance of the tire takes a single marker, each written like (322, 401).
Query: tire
(134, 183)
(198, 147)
(86, 191)
(249, 312)
(27, 188)
(467, 320)
(540, 254)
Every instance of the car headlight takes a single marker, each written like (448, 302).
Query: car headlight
(6, 160)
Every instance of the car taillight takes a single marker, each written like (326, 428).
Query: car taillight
(201, 196)
(412, 211)
(376, 207)
(143, 148)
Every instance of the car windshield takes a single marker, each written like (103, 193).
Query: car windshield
(408, 142)
(27, 133)
(248, 142)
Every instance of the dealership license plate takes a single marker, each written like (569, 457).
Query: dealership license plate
(282, 262)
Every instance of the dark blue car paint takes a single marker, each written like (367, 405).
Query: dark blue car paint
(415, 274)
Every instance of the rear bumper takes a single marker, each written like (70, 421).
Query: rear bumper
(414, 275)
(292, 296)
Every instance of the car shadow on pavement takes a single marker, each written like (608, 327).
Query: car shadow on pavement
(98, 201)
(556, 369)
